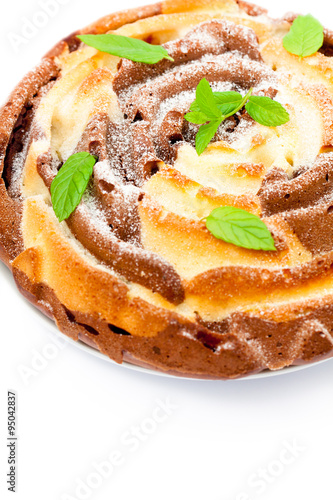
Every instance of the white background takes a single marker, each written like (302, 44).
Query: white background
(76, 410)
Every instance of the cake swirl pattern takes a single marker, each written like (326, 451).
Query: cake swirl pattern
(146, 281)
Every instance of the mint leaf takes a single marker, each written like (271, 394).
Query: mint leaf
(126, 47)
(266, 111)
(305, 37)
(205, 135)
(196, 117)
(194, 106)
(228, 102)
(70, 183)
(240, 228)
(205, 100)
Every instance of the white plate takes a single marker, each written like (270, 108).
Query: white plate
(51, 326)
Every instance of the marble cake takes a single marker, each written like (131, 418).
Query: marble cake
(133, 271)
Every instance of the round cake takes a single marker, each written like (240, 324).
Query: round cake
(195, 235)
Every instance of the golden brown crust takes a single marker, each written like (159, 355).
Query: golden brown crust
(167, 303)
(12, 118)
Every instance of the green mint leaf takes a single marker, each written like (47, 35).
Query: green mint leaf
(70, 183)
(195, 106)
(240, 228)
(305, 37)
(266, 111)
(228, 102)
(196, 117)
(205, 135)
(126, 47)
(205, 100)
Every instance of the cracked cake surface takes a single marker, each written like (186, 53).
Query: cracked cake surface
(133, 271)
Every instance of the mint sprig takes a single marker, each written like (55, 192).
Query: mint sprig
(70, 183)
(127, 48)
(240, 228)
(305, 36)
(215, 107)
